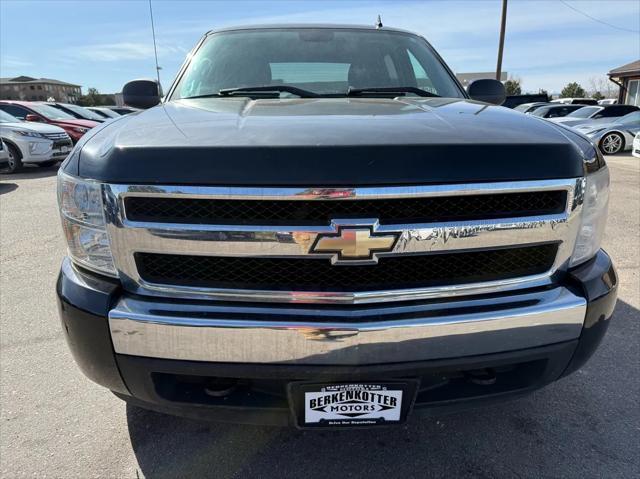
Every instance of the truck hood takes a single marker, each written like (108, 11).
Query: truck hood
(327, 141)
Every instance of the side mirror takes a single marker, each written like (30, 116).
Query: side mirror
(32, 117)
(141, 93)
(488, 91)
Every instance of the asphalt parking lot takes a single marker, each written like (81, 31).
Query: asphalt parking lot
(55, 423)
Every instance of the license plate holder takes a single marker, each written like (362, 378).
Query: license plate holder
(351, 404)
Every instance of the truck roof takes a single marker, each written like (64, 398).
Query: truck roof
(294, 26)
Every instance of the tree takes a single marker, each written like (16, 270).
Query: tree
(92, 98)
(95, 98)
(597, 96)
(512, 86)
(573, 90)
(604, 86)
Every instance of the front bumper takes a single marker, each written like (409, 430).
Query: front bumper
(159, 354)
(45, 150)
(4, 158)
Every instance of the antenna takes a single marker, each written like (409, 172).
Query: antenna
(378, 22)
(155, 50)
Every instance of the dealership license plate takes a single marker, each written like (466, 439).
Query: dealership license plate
(352, 404)
(61, 150)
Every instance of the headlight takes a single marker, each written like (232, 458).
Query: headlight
(83, 223)
(80, 129)
(594, 216)
(33, 134)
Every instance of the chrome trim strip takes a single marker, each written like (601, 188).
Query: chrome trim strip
(128, 237)
(185, 332)
(338, 194)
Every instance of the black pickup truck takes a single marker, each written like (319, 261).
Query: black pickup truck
(318, 226)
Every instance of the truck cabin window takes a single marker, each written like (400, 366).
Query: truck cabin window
(323, 62)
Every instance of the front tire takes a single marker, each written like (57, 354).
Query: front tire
(15, 160)
(611, 144)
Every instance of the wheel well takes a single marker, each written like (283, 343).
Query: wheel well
(11, 143)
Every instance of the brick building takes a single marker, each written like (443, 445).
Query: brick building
(38, 89)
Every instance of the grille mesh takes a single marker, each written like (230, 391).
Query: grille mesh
(295, 274)
(303, 212)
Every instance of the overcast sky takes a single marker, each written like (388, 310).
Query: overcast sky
(104, 43)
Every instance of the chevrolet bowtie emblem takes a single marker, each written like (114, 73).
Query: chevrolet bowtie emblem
(354, 244)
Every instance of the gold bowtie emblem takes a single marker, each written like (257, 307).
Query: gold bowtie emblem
(354, 243)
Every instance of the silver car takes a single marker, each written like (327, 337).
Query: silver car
(613, 137)
(600, 113)
(30, 142)
(105, 113)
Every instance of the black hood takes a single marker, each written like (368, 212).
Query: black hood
(330, 142)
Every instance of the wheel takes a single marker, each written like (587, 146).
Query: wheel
(15, 160)
(47, 164)
(611, 143)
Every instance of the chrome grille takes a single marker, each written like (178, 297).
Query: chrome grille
(323, 211)
(56, 136)
(395, 272)
(470, 245)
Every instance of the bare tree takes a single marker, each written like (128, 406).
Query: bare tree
(603, 86)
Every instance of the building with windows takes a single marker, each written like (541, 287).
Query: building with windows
(38, 89)
(627, 77)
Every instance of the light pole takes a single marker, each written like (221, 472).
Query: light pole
(503, 25)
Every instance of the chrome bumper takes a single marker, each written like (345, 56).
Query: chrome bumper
(196, 332)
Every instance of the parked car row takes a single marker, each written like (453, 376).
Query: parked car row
(612, 127)
(43, 133)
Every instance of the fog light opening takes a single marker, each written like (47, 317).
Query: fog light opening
(481, 377)
(220, 387)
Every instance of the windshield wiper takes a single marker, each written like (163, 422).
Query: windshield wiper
(401, 90)
(269, 89)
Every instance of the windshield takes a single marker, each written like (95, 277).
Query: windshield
(523, 107)
(322, 61)
(585, 112)
(106, 113)
(50, 112)
(7, 118)
(631, 118)
(541, 111)
(83, 112)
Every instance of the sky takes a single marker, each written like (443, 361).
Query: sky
(105, 43)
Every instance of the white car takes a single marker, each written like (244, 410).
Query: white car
(4, 156)
(635, 149)
(575, 101)
(30, 142)
(608, 101)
